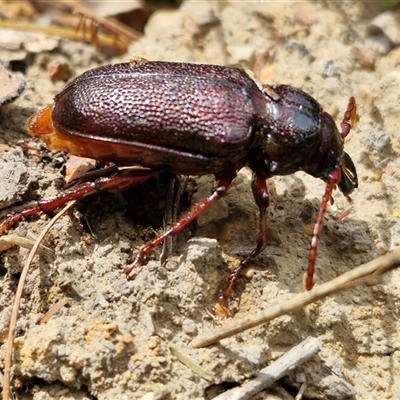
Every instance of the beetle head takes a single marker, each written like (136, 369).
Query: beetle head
(329, 154)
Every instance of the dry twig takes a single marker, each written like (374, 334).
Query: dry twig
(103, 39)
(267, 376)
(11, 240)
(17, 301)
(124, 32)
(185, 360)
(373, 269)
(54, 309)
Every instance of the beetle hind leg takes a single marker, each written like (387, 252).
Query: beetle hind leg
(122, 180)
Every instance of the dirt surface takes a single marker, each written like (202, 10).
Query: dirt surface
(113, 339)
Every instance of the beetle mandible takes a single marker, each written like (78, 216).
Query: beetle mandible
(194, 119)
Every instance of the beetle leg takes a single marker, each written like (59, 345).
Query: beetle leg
(223, 184)
(261, 196)
(333, 179)
(121, 181)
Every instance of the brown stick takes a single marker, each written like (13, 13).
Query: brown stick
(374, 268)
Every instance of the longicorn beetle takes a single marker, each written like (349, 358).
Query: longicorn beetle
(193, 119)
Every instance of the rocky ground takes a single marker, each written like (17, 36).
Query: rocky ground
(113, 339)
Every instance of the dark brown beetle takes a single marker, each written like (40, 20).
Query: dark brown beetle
(192, 119)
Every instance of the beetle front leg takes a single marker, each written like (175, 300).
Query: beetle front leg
(223, 185)
(332, 181)
(261, 196)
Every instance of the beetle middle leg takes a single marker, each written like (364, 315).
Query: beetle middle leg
(261, 196)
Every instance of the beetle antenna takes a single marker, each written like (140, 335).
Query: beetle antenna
(333, 179)
(350, 117)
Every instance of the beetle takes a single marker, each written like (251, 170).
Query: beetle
(194, 119)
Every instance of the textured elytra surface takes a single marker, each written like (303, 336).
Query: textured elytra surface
(134, 103)
(112, 340)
